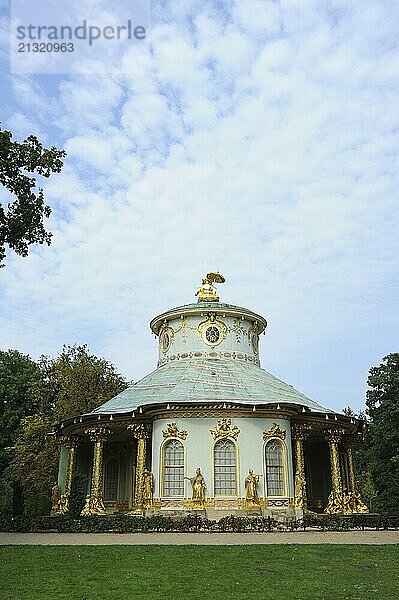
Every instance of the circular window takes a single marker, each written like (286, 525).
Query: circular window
(165, 341)
(212, 334)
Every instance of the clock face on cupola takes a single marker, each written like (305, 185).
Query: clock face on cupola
(208, 328)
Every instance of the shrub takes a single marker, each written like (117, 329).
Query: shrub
(120, 523)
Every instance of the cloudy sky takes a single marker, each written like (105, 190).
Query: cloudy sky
(256, 138)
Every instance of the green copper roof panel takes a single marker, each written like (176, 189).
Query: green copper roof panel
(207, 380)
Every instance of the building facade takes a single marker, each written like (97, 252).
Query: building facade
(210, 430)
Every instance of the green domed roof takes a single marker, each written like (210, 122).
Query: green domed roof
(207, 380)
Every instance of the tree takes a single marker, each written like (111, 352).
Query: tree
(382, 437)
(35, 462)
(364, 481)
(21, 223)
(76, 382)
(71, 384)
(19, 375)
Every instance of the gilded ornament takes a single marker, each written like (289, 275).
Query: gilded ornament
(354, 503)
(207, 292)
(198, 489)
(173, 431)
(335, 503)
(237, 329)
(140, 430)
(225, 430)
(148, 491)
(166, 336)
(300, 491)
(188, 504)
(55, 498)
(68, 441)
(212, 331)
(301, 431)
(334, 435)
(94, 504)
(97, 433)
(251, 490)
(274, 432)
(253, 336)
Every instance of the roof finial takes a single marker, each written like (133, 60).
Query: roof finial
(207, 292)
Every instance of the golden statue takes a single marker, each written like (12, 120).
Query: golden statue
(207, 292)
(199, 487)
(55, 498)
(299, 489)
(94, 505)
(148, 491)
(353, 503)
(63, 504)
(251, 490)
(335, 503)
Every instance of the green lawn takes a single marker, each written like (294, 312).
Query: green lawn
(199, 572)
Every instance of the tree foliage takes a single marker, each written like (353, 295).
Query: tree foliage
(73, 383)
(76, 382)
(21, 223)
(19, 375)
(35, 462)
(382, 437)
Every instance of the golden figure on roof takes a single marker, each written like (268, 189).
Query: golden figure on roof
(207, 292)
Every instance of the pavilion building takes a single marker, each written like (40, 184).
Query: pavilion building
(210, 430)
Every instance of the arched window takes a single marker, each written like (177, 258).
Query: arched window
(274, 468)
(111, 479)
(173, 468)
(225, 475)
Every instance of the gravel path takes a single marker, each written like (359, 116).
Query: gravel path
(214, 539)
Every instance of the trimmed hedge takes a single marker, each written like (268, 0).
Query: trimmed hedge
(347, 522)
(192, 523)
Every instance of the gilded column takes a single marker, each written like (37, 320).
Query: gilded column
(71, 443)
(350, 443)
(300, 432)
(335, 500)
(94, 501)
(353, 502)
(141, 432)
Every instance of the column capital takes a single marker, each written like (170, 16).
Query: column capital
(97, 434)
(141, 431)
(301, 431)
(333, 436)
(69, 441)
